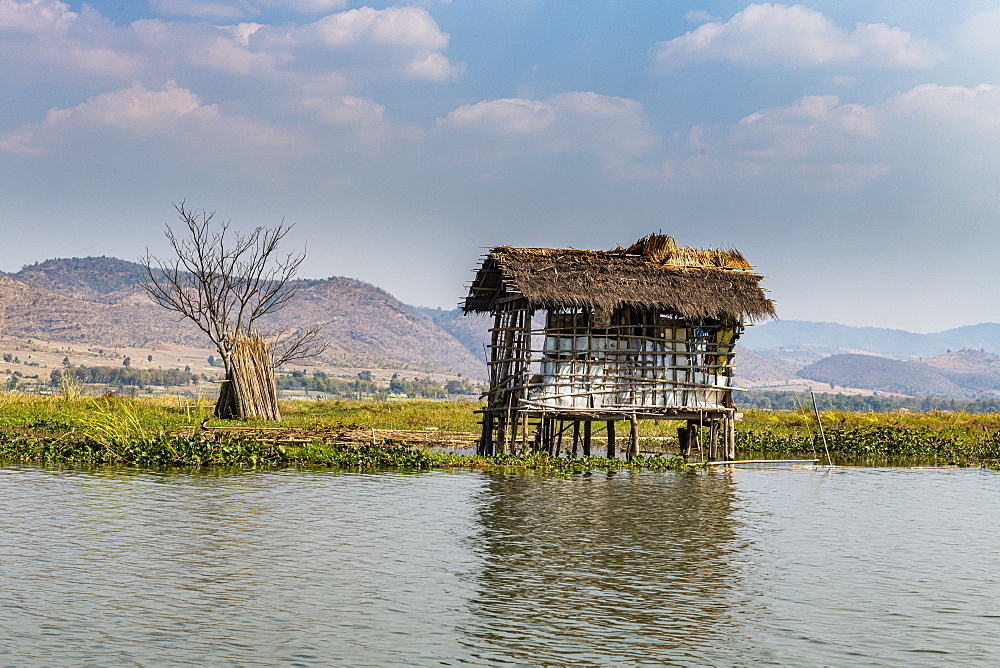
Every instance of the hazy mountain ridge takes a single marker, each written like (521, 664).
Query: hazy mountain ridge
(472, 331)
(755, 368)
(94, 279)
(960, 362)
(30, 312)
(798, 340)
(964, 373)
(100, 300)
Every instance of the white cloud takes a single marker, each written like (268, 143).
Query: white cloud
(699, 16)
(172, 118)
(815, 122)
(819, 143)
(613, 128)
(351, 123)
(400, 42)
(815, 142)
(203, 8)
(982, 31)
(238, 9)
(975, 110)
(796, 37)
(309, 74)
(44, 39)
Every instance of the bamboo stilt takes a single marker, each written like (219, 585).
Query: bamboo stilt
(730, 439)
(713, 440)
(633, 449)
(694, 437)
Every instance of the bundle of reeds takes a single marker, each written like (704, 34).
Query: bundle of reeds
(249, 390)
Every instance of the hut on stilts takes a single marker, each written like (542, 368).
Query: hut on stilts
(639, 333)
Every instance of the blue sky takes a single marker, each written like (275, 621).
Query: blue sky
(851, 150)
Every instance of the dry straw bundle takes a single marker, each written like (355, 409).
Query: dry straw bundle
(249, 390)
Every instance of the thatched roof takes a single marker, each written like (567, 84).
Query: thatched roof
(654, 272)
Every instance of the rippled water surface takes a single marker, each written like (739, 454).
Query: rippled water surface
(842, 567)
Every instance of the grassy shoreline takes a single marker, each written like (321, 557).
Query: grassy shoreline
(415, 435)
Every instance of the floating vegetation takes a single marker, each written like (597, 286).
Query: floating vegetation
(166, 450)
(366, 435)
(878, 441)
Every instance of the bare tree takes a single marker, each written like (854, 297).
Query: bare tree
(225, 282)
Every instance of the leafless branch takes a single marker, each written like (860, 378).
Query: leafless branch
(226, 281)
(303, 345)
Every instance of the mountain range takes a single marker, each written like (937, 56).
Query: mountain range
(800, 341)
(99, 301)
(958, 362)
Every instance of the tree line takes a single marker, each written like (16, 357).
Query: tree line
(124, 376)
(365, 385)
(777, 400)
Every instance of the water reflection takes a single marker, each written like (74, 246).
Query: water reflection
(605, 568)
(799, 567)
(115, 567)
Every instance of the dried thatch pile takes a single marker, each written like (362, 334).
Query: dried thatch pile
(249, 389)
(654, 272)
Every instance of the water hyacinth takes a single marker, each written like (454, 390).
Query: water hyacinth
(175, 432)
(886, 441)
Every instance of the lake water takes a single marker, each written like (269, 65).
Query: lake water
(808, 566)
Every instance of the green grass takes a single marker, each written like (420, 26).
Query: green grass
(408, 414)
(165, 433)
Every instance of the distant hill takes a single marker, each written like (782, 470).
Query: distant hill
(755, 368)
(881, 373)
(94, 279)
(30, 312)
(972, 369)
(367, 325)
(802, 342)
(99, 300)
(959, 374)
(472, 331)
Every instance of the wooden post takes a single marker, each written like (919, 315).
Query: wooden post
(560, 426)
(819, 423)
(486, 440)
(682, 441)
(633, 446)
(512, 436)
(611, 439)
(694, 437)
(576, 437)
(587, 428)
(524, 434)
(713, 440)
(500, 446)
(730, 439)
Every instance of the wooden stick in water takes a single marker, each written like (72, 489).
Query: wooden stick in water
(820, 424)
